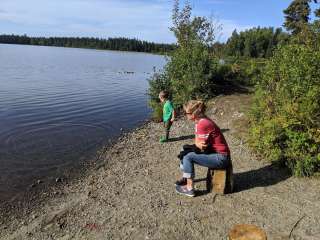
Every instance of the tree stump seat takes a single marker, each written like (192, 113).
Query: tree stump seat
(220, 180)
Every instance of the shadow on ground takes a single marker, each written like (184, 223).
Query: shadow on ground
(262, 177)
(181, 138)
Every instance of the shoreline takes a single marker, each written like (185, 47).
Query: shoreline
(41, 189)
(131, 195)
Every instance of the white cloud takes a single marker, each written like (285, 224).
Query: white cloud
(144, 19)
(147, 20)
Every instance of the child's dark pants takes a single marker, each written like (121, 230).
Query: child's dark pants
(167, 126)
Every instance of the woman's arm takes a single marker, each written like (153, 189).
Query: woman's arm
(201, 144)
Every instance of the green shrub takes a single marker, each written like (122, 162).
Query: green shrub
(285, 117)
(157, 83)
(191, 69)
(246, 71)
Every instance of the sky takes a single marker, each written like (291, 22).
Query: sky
(148, 20)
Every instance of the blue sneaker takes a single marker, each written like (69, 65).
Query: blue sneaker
(184, 191)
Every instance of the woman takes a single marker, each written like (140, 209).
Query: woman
(213, 151)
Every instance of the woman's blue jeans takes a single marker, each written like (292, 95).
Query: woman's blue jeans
(213, 160)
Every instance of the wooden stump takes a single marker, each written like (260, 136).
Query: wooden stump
(247, 232)
(221, 180)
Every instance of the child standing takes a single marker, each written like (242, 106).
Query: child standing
(168, 114)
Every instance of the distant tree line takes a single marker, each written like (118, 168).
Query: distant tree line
(120, 44)
(261, 42)
(252, 43)
(255, 43)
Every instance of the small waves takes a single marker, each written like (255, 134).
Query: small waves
(58, 106)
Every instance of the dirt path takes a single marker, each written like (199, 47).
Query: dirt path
(131, 195)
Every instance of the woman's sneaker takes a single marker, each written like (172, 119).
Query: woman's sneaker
(181, 182)
(184, 191)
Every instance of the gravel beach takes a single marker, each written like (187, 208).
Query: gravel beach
(129, 193)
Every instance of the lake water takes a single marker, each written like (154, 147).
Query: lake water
(59, 105)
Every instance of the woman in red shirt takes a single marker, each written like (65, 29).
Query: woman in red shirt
(213, 149)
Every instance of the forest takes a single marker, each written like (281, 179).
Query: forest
(119, 44)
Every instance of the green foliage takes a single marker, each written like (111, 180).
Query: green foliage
(309, 35)
(297, 15)
(190, 72)
(251, 70)
(255, 42)
(191, 67)
(157, 83)
(285, 118)
(243, 71)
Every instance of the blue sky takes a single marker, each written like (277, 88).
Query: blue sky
(146, 20)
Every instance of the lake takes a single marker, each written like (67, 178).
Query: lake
(58, 106)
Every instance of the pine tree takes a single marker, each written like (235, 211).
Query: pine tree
(297, 15)
(233, 44)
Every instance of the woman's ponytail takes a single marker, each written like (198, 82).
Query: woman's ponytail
(196, 107)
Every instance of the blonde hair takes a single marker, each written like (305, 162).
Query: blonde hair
(196, 107)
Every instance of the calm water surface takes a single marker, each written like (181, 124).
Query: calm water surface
(59, 105)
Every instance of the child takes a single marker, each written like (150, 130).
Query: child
(168, 114)
(211, 151)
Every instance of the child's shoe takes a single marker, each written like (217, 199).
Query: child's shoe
(163, 140)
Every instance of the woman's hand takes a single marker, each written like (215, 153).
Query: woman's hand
(202, 145)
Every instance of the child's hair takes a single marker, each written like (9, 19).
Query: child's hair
(196, 107)
(164, 94)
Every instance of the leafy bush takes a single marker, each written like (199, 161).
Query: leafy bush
(191, 69)
(241, 71)
(251, 70)
(157, 83)
(285, 118)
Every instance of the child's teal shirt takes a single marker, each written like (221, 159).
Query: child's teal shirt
(167, 111)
